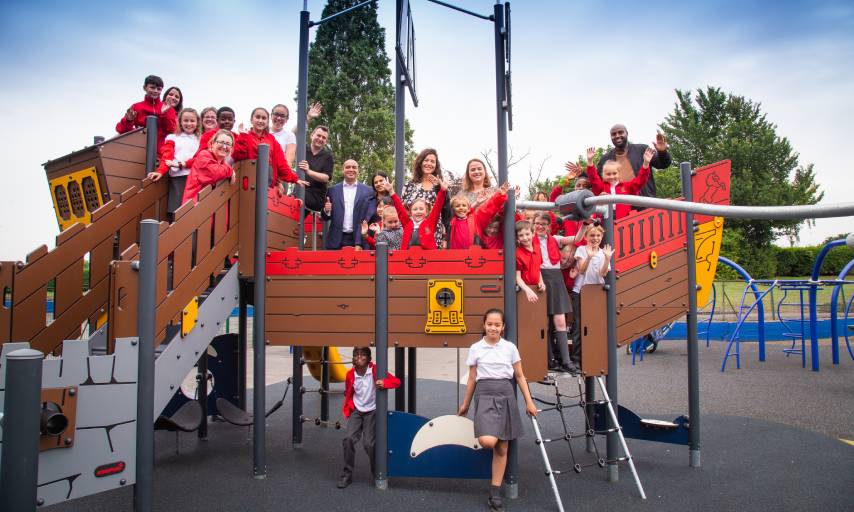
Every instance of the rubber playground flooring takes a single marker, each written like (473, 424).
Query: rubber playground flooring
(770, 441)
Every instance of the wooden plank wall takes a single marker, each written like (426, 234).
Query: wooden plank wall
(197, 245)
(282, 219)
(119, 162)
(641, 232)
(114, 228)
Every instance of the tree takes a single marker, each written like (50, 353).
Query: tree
(765, 170)
(349, 74)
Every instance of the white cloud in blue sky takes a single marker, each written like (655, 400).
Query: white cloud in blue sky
(71, 69)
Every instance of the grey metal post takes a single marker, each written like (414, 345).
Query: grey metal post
(612, 440)
(202, 393)
(691, 321)
(381, 343)
(511, 486)
(399, 176)
(411, 388)
(590, 410)
(259, 427)
(143, 490)
(242, 330)
(324, 385)
(150, 143)
(302, 110)
(19, 466)
(400, 372)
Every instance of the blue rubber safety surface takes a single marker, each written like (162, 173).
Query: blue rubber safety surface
(769, 442)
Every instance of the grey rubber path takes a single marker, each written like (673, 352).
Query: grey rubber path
(770, 441)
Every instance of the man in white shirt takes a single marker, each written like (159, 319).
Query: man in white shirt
(347, 205)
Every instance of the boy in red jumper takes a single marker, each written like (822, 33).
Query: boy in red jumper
(528, 261)
(360, 403)
(167, 118)
(609, 182)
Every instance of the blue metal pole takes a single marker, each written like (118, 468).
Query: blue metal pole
(834, 303)
(816, 268)
(760, 309)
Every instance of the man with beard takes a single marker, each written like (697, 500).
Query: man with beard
(630, 157)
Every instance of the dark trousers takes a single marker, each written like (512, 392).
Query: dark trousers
(575, 333)
(348, 239)
(361, 425)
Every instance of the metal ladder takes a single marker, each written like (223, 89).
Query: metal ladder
(589, 433)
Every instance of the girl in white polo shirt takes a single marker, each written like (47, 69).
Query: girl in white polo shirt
(493, 364)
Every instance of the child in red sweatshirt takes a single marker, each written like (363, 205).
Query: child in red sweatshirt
(167, 118)
(414, 228)
(360, 404)
(468, 226)
(609, 182)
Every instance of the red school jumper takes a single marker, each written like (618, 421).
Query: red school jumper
(426, 229)
(463, 231)
(632, 187)
(390, 382)
(528, 263)
(206, 171)
(167, 121)
(246, 148)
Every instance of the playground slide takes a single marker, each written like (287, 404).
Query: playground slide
(337, 371)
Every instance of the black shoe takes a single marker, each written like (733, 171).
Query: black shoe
(554, 366)
(344, 482)
(495, 504)
(569, 368)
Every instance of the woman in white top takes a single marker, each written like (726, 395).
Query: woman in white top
(176, 150)
(493, 364)
(285, 138)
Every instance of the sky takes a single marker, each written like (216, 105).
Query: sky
(70, 70)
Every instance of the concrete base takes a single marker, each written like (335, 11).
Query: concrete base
(613, 472)
(694, 456)
(262, 476)
(511, 491)
(381, 484)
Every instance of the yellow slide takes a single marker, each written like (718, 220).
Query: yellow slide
(337, 372)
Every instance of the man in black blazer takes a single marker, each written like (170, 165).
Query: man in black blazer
(347, 205)
(630, 157)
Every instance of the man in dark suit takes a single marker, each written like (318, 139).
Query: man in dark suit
(347, 205)
(630, 157)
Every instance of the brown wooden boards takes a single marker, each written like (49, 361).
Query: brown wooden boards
(316, 311)
(532, 326)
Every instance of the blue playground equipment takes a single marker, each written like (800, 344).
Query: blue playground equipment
(793, 328)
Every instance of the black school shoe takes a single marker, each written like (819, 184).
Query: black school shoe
(495, 504)
(344, 482)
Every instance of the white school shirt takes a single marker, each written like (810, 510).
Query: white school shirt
(544, 250)
(284, 138)
(493, 361)
(349, 204)
(364, 391)
(186, 146)
(591, 275)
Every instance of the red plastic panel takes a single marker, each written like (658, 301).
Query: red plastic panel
(283, 205)
(711, 185)
(293, 262)
(641, 232)
(473, 261)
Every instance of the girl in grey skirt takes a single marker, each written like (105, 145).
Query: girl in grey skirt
(493, 365)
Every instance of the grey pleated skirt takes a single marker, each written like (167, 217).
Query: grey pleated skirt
(495, 410)
(557, 298)
(176, 192)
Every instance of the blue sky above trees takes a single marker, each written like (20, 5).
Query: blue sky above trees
(71, 69)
